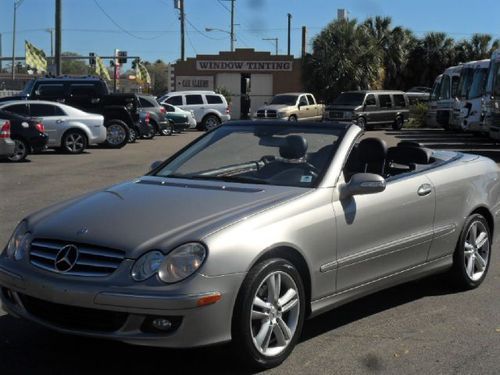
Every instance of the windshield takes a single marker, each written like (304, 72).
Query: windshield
(285, 99)
(436, 89)
(258, 154)
(478, 83)
(27, 88)
(350, 99)
(465, 82)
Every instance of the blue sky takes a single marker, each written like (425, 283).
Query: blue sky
(153, 26)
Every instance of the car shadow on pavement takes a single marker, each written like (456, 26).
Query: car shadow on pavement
(27, 348)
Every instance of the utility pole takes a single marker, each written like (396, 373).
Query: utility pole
(51, 31)
(179, 4)
(304, 41)
(0, 52)
(289, 29)
(232, 25)
(275, 40)
(16, 5)
(58, 37)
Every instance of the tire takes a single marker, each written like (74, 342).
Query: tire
(132, 135)
(74, 142)
(210, 122)
(258, 327)
(472, 256)
(151, 133)
(117, 134)
(398, 123)
(292, 118)
(168, 130)
(363, 125)
(21, 151)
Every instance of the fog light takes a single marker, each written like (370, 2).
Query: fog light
(162, 324)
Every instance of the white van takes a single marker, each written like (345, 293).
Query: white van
(464, 84)
(492, 97)
(470, 118)
(210, 109)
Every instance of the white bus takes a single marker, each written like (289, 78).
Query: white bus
(491, 105)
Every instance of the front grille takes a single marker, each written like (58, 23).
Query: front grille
(270, 113)
(72, 317)
(336, 114)
(91, 260)
(261, 113)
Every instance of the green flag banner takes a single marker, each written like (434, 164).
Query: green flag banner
(100, 69)
(35, 57)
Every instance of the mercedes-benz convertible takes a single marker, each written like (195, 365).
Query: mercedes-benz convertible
(248, 231)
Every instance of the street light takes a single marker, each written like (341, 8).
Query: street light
(51, 31)
(17, 4)
(275, 40)
(231, 35)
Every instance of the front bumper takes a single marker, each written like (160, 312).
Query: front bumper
(176, 126)
(58, 302)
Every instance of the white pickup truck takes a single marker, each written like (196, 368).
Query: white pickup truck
(294, 106)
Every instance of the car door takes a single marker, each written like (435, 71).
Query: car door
(195, 103)
(53, 118)
(370, 108)
(384, 233)
(303, 108)
(385, 113)
(313, 107)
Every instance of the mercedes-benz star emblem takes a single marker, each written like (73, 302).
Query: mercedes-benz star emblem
(66, 258)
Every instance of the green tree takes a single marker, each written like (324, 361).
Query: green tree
(344, 57)
(160, 80)
(74, 66)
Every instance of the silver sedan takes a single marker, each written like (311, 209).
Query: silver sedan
(248, 231)
(68, 128)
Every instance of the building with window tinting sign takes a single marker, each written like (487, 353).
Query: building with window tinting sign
(252, 77)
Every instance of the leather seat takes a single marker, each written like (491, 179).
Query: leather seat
(372, 155)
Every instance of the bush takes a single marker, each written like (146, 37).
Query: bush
(417, 115)
(225, 92)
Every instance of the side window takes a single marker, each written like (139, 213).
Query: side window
(399, 101)
(213, 99)
(311, 99)
(83, 91)
(454, 86)
(174, 100)
(169, 108)
(20, 109)
(194, 99)
(45, 110)
(370, 100)
(445, 88)
(303, 100)
(385, 101)
(50, 90)
(145, 103)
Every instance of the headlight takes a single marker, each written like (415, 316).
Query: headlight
(19, 242)
(182, 262)
(281, 114)
(147, 265)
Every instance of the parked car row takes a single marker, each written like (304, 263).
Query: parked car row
(467, 98)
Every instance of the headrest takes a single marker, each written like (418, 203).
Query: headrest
(295, 147)
(409, 144)
(372, 150)
(409, 155)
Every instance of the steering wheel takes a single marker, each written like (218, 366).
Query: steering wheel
(312, 169)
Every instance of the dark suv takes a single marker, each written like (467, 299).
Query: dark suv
(90, 94)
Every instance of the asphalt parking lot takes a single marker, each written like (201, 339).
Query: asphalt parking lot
(420, 327)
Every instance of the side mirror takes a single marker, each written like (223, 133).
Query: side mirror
(363, 183)
(155, 164)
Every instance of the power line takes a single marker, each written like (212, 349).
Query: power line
(120, 27)
(191, 43)
(224, 6)
(201, 32)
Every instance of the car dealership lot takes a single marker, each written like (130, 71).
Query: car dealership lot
(422, 326)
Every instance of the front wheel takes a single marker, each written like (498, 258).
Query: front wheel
(168, 130)
(74, 142)
(132, 135)
(21, 151)
(269, 313)
(471, 259)
(292, 118)
(211, 122)
(398, 123)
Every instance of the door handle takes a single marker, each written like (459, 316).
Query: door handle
(424, 190)
(59, 121)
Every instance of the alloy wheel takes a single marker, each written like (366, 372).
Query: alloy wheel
(476, 250)
(74, 142)
(211, 123)
(115, 134)
(20, 151)
(275, 314)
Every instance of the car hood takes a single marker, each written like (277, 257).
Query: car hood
(339, 107)
(276, 107)
(155, 213)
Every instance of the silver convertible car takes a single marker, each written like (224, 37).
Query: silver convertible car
(248, 231)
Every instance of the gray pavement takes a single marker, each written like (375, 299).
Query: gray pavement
(420, 327)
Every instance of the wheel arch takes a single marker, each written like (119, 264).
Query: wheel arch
(211, 113)
(81, 129)
(485, 212)
(297, 259)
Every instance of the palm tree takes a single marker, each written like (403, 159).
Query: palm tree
(345, 57)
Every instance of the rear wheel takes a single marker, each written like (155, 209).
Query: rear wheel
(132, 135)
(21, 150)
(117, 134)
(168, 130)
(269, 313)
(74, 142)
(151, 132)
(211, 122)
(398, 123)
(472, 255)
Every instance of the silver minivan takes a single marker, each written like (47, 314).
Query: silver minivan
(210, 109)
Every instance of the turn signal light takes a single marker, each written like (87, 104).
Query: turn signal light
(208, 300)
(146, 120)
(40, 127)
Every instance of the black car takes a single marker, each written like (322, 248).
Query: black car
(28, 134)
(90, 94)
